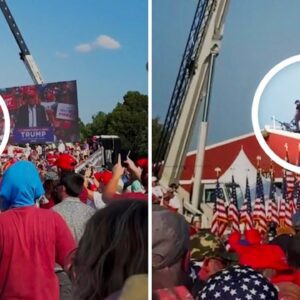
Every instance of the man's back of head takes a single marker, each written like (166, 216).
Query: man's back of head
(73, 184)
(170, 245)
(74, 212)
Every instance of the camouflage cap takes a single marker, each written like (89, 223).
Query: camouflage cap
(205, 244)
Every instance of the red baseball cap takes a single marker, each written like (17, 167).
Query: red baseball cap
(104, 177)
(253, 236)
(142, 163)
(264, 257)
(66, 162)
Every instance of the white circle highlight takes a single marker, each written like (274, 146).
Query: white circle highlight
(6, 125)
(255, 106)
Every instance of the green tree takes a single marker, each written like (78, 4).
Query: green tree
(129, 120)
(98, 125)
(84, 130)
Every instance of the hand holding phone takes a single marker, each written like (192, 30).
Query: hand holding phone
(118, 169)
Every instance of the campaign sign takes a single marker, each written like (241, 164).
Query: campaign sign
(36, 107)
(65, 111)
(33, 135)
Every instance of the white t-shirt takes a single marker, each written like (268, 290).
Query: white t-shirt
(61, 148)
(10, 151)
(175, 202)
(158, 191)
(39, 150)
(27, 151)
(99, 203)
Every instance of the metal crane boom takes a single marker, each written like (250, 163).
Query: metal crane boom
(25, 55)
(184, 76)
(193, 84)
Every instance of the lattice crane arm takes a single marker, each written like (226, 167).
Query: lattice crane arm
(25, 55)
(191, 86)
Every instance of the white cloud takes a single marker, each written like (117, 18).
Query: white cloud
(102, 41)
(61, 55)
(105, 41)
(84, 48)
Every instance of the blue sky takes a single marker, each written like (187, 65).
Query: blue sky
(101, 44)
(279, 96)
(258, 35)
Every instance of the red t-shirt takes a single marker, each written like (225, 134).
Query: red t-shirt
(31, 241)
(83, 196)
(48, 205)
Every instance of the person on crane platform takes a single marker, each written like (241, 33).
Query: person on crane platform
(297, 115)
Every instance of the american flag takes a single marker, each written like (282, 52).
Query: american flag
(259, 211)
(273, 207)
(233, 212)
(290, 182)
(287, 208)
(297, 184)
(297, 194)
(219, 221)
(246, 210)
(282, 207)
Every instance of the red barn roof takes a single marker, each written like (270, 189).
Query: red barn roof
(223, 154)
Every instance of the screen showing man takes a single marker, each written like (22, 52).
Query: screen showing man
(32, 114)
(43, 113)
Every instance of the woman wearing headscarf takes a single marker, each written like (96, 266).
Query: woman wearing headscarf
(32, 239)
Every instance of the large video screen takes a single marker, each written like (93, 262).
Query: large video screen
(43, 113)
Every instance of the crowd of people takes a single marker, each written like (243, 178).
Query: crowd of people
(190, 262)
(84, 235)
(72, 235)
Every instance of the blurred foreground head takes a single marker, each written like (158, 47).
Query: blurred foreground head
(209, 251)
(238, 282)
(170, 248)
(113, 248)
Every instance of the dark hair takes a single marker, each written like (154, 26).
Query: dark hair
(64, 173)
(293, 254)
(73, 183)
(114, 247)
(49, 186)
(283, 241)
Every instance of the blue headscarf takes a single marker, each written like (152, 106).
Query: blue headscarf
(21, 186)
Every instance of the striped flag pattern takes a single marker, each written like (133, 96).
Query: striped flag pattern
(287, 208)
(220, 220)
(273, 206)
(290, 182)
(297, 195)
(259, 211)
(233, 212)
(297, 184)
(282, 207)
(246, 210)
